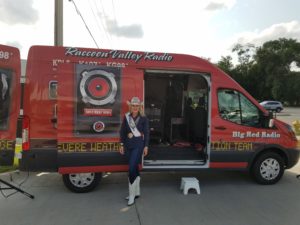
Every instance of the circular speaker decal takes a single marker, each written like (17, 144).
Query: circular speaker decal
(98, 126)
(98, 87)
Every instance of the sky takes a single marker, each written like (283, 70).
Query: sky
(205, 28)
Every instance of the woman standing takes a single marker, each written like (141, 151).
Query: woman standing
(134, 135)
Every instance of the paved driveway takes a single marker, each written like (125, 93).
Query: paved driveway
(227, 198)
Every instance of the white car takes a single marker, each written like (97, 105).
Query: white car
(272, 105)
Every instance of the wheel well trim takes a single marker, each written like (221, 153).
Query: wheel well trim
(276, 149)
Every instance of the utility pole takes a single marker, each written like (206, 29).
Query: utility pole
(58, 23)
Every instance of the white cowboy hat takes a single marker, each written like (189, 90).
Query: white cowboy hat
(135, 101)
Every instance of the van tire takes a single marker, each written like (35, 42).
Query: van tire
(268, 168)
(278, 110)
(81, 182)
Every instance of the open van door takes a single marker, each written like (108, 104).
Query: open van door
(178, 106)
(10, 69)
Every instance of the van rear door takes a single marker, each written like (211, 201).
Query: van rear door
(89, 118)
(10, 69)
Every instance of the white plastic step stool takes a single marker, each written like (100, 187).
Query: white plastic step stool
(188, 183)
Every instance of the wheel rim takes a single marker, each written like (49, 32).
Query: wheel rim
(269, 169)
(82, 180)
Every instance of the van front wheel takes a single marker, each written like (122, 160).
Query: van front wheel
(81, 182)
(268, 168)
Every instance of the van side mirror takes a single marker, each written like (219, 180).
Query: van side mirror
(271, 114)
(271, 123)
(267, 120)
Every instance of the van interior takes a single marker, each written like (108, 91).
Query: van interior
(176, 104)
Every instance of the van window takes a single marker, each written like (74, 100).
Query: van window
(235, 107)
(53, 89)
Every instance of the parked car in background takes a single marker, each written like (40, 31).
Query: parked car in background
(272, 105)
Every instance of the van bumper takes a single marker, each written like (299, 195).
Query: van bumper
(39, 160)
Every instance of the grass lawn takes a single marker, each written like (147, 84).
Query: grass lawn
(6, 168)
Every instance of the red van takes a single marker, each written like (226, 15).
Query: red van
(10, 89)
(200, 118)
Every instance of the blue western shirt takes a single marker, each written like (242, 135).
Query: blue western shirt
(142, 126)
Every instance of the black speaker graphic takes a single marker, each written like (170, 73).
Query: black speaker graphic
(98, 87)
(98, 101)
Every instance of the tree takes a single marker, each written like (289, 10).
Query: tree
(274, 59)
(226, 64)
(243, 72)
(265, 71)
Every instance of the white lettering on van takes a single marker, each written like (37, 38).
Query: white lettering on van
(115, 54)
(273, 134)
(238, 134)
(4, 55)
(84, 53)
(116, 64)
(55, 62)
(158, 57)
(250, 134)
(122, 55)
(88, 62)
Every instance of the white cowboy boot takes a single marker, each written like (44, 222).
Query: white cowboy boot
(132, 190)
(137, 190)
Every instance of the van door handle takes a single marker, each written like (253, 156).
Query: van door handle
(220, 128)
(54, 118)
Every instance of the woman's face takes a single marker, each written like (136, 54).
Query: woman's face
(135, 109)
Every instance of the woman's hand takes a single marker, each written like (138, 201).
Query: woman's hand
(145, 151)
(121, 150)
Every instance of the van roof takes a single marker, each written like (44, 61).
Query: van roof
(128, 57)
